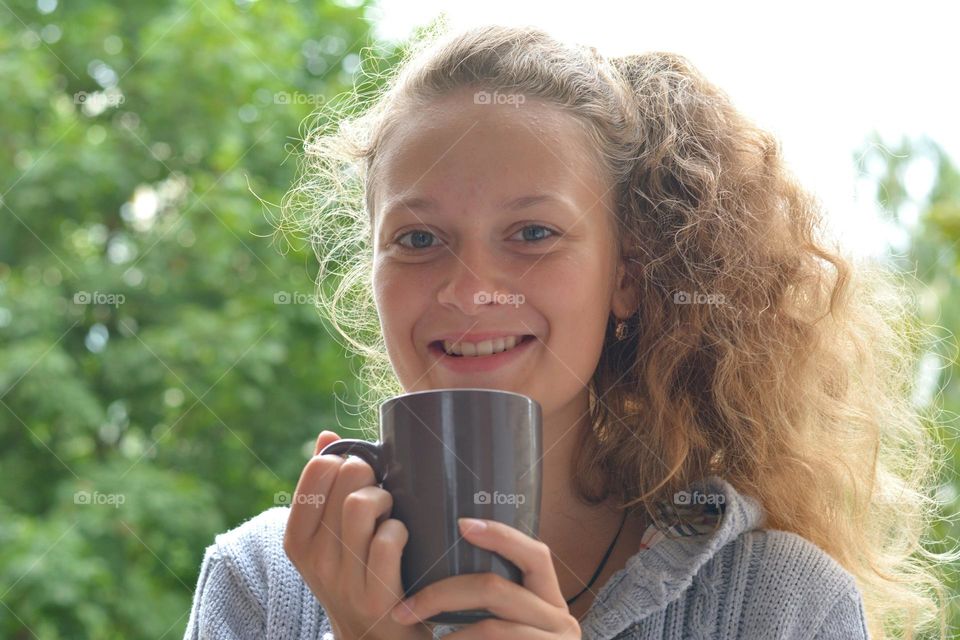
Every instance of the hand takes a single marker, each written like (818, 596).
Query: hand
(341, 540)
(535, 610)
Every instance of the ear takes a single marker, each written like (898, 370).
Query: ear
(625, 298)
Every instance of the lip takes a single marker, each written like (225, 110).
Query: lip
(478, 364)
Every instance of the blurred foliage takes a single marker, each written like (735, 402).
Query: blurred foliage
(917, 188)
(162, 371)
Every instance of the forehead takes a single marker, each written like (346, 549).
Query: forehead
(457, 146)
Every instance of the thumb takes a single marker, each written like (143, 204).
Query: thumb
(325, 438)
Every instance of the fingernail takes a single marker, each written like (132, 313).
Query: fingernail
(472, 524)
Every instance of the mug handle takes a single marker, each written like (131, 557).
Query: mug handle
(369, 452)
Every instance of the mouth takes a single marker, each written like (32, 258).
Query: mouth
(456, 360)
(479, 350)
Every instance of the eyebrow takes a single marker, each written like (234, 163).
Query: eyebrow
(418, 203)
(528, 201)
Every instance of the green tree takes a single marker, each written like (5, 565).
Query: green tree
(162, 372)
(917, 189)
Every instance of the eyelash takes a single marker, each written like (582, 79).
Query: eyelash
(416, 249)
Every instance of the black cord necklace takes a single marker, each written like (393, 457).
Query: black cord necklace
(603, 562)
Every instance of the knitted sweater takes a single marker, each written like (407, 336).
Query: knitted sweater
(735, 580)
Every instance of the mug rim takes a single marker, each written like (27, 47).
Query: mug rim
(404, 396)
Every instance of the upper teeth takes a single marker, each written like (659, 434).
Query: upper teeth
(485, 348)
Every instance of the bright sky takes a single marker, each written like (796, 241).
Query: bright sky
(821, 76)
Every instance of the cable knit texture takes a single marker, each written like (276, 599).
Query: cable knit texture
(736, 581)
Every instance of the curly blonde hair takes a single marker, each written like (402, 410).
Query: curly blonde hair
(795, 387)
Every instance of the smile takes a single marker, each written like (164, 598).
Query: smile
(470, 358)
(484, 348)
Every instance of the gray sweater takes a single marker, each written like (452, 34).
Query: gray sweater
(737, 581)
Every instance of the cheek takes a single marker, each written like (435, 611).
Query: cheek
(574, 297)
(400, 301)
(390, 293)
(574, 290)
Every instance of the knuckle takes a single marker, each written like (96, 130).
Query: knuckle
(392, 530)
(543, 551)
(386, 539)
(382, 495)
(356, 502)
(367, 499)
(322, 466)
(325, 461)
(493, 584)
(403, 534)
(387, 546)
(572, 628)
(356, 468)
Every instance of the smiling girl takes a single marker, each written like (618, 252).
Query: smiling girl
(729, 445)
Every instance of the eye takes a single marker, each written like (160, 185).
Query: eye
(535, 234)
(420, 239)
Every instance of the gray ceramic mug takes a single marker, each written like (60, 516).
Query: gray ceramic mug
(450, 453)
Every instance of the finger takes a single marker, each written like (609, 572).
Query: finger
(496, 594)
(325, 438)
(531, 556)
(354, 473)
(384, 580)
(361, 510)
(308, 502)
(315, 481)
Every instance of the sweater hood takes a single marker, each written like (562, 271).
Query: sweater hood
(653, 578)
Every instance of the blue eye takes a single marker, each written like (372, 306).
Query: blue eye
(527, 236)
(417, 236)
(420, 239)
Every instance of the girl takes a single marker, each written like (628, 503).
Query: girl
(729, 447)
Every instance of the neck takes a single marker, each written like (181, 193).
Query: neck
(566, 521)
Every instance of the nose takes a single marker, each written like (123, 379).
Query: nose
(472, 279)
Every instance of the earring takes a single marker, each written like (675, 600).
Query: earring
(621, 329)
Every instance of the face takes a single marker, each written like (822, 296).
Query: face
(492, 221)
